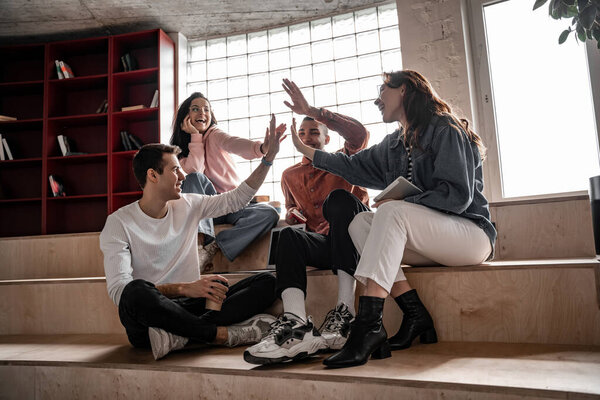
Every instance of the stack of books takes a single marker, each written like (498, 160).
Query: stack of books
(130, 142)
(6, 118)
(56, 186)
(63, 70)
(5, 153)
(129, 62)
(67, 146)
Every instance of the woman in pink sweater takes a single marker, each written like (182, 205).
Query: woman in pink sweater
(205, 157)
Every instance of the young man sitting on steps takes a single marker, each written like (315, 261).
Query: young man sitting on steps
(329, 203)
(151, 260)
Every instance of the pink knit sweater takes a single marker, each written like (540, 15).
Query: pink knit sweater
(209, 154)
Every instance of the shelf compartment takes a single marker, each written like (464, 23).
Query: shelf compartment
(75, 215)
(134, 89)
(86, 57)
(20, 179)
(21, 218)
(89, 133)
(123, 179)
(23, 101)
(142, 123)
(143, 46)
(122, 199)
(22, 63)
(81, 175)
(24, 138)
(71, 97)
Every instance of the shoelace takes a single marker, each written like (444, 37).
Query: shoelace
(278, 326)
(334, 321)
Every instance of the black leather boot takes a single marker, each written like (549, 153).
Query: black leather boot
(367, 336)
(416, 322)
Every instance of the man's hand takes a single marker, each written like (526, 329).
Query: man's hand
(299, 104)
(207, 287)
(187, 126)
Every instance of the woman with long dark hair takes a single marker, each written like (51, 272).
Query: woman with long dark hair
(448, 223)
(206, 157)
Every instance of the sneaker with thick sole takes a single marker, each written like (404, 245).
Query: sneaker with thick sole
(289, 339)
(336, 327)
(251, 331)
(163, 342)
(205, 256)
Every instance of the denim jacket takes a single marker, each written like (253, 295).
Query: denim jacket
(446, 166)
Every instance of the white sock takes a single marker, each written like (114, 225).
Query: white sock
(293, 302)
(346, 286)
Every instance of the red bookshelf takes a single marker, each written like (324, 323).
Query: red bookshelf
(101, 180)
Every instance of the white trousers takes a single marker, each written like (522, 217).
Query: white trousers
(407, 233)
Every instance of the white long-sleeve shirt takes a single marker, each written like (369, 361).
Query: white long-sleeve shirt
(165, 250)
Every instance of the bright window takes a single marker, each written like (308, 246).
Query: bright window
(539, 96)
(337, 62)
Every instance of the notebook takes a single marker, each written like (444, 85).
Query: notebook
(398, 190)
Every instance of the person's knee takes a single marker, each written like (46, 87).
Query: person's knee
(339, 203)
(268, 213)
(137, 292)
(288, 236)
(359, 224)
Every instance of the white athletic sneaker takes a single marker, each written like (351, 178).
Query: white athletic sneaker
(163, 342)
(205, 256)
(250, 331)
(290, 338)
(336, 327)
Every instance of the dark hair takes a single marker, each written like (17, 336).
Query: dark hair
(421, 103)
(179, 137)
(322, 127)
(150, 156)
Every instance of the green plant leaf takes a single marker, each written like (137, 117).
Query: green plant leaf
(596, 33)
(539, 3)
(569, 2)
(588, 15)
(571, 12)
(580, 32)
(563, 36)
(582, 3)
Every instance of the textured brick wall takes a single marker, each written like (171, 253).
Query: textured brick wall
(433, 43)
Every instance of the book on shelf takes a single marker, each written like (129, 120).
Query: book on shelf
(125, 141)
(67, 146)
(59, 72)
(56, 186)
(154, 102)
(103, 107)
(8, 155)
(66, 70)
(136, 107)
(2, 156)
(7, 118)
(129, 62)
(135, 141)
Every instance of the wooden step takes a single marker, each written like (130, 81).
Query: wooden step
(515, 302)
(105, 366)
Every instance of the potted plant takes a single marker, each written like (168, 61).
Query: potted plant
(585, 16)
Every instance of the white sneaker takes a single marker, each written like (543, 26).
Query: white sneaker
(336, 327)
(163, 342)
(250, 331)
(290, 338)
(205, 256)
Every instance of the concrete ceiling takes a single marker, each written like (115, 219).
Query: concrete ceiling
(26, 21)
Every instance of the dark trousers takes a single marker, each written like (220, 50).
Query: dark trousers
(297, 249)
(142, 306)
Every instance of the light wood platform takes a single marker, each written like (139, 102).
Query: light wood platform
(515, 302)
(106, 366)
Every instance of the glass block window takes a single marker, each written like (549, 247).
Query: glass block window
(336, 61)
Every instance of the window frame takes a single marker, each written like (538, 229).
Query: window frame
(484, 109)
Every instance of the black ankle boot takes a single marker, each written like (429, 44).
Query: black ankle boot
(367, 336)
(416, 322)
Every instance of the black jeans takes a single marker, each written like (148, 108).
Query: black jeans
(296, 248)
(142, 306)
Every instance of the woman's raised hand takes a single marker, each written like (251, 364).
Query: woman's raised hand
(273, 138)
(308, 151)
(187, 126)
